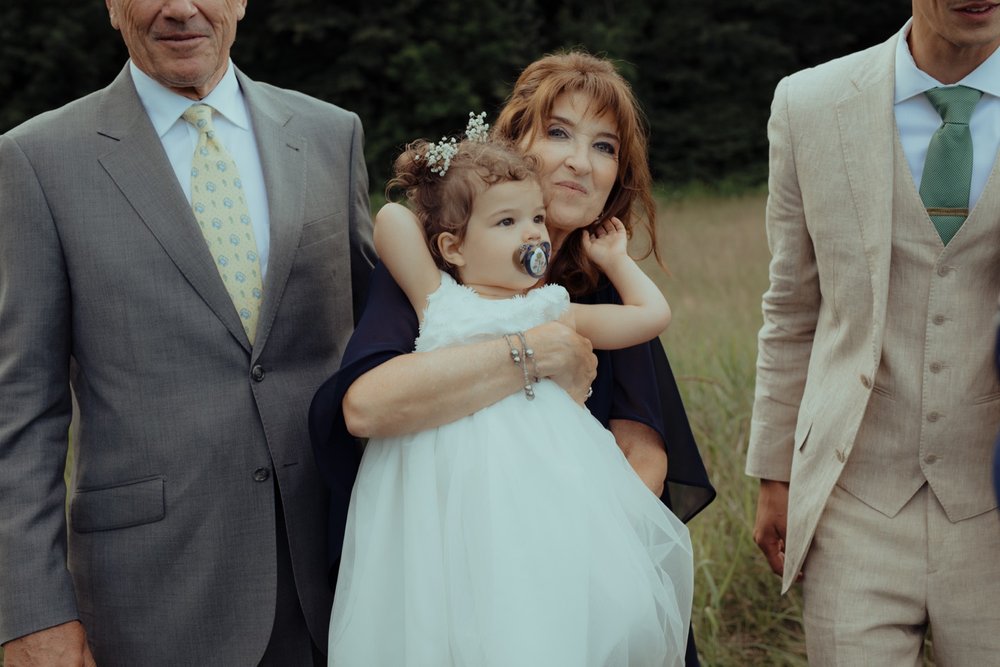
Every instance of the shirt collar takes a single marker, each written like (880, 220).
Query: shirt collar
(164, 107)
(912, 81)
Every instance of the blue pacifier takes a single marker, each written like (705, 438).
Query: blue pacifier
(533, 258)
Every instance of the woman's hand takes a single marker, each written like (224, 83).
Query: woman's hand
(564, 356)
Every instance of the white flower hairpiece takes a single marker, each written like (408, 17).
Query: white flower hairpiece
(439, 155)
(477, 129)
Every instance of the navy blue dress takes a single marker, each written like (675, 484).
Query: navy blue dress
(635, 384)
(996, 453)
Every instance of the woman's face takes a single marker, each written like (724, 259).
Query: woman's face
(578, 154)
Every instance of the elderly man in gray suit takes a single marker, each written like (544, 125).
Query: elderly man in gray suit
(183, 253)
(876, 401)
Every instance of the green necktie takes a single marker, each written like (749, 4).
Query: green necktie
(947, 177)
(221, 210)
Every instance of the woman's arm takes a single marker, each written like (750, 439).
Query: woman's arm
(645, 451)
(421, 390)
(402, 246)
(644, 314)
(637, 385)
(384, 388)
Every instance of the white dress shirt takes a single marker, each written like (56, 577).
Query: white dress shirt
(917, 119)
(232, 126)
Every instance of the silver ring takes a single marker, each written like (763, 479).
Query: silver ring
(590, 392)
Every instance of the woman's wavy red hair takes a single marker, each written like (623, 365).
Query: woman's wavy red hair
(526, 114)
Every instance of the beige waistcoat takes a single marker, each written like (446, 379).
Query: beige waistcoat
(935, 403)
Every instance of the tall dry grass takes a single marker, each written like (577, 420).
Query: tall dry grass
(717, 258)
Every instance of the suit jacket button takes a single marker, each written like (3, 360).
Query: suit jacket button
(261, 475)
(866, 382)
(936, 367)
(933, 416)
(257, 373)
(840, 455)
(938, 320)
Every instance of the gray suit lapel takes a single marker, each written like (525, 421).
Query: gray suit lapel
(137, 164)
(283, 160)
(868, 129)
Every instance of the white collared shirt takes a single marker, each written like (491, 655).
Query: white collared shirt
(917, 119)
(232, 126)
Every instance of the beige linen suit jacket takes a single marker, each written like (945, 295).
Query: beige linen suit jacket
(185, 433)
(830, 215)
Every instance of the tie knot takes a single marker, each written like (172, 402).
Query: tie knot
(200, 116)
(955, 103)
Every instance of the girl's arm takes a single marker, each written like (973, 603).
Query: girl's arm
(644, 313)
(402, 247)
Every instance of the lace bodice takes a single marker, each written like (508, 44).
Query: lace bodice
(455, 314)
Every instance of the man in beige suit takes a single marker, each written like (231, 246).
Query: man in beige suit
(197, 518)
(876, 401)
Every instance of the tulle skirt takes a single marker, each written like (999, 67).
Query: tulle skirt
(516, 536)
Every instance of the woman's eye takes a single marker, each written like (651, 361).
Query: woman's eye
(606, 147)
(557, 133)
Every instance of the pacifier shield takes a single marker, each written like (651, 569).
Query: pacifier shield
(533, 258)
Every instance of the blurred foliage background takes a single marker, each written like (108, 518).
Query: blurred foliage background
(704, 72)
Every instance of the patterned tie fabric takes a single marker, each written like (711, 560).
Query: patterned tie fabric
(947, 177)
(222, 213)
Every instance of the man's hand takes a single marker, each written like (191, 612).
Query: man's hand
(564, 356)
(772, 521)
(60, 646)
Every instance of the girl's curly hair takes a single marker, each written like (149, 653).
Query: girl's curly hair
(443, 203)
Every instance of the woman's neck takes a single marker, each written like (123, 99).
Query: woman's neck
(556, 238)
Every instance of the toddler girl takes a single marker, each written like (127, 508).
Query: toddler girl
(517, 535)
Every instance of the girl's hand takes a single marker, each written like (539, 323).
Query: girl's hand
(606, 242)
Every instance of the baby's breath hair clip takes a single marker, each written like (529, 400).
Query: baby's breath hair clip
(477, 129)
(439, 155)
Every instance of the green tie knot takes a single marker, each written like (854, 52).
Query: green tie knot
(955, 103)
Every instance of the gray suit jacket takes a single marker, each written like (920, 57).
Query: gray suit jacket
(184, 432)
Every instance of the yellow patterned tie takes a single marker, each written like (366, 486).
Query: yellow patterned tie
(222, 213)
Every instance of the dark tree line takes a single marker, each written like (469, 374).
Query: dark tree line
(704, 72)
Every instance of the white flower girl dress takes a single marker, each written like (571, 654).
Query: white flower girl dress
(516, 536)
